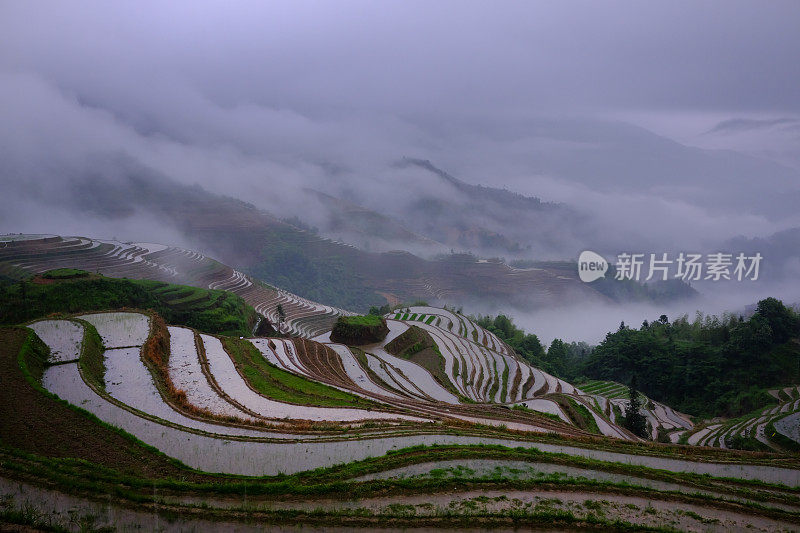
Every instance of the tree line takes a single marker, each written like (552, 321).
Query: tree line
(710, 366)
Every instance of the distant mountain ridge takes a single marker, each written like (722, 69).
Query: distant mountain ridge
(368, 229)
(260, 244)
(488, 221)
(491, 193)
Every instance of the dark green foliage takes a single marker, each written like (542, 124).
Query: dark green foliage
(281, 317)
(782, 321)
(634, 420)
(288, 262)
(709, 367)
(562, 360)
(528, 346)
(740, 442)
(362, 320)
(211, 311)
(358, 330)
(265, 329)
(65, 273)
(380, 311)
(558, 356)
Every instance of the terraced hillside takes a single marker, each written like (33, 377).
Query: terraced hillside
(299, 260)
(20, 256)
(270, 406)
(439, 423)
(769, 428)
(662, 420)
(291, 382)
(467, 364)
(278, 388)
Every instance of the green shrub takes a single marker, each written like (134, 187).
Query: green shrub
(358, 330)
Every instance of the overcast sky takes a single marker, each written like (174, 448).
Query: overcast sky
(239, 96)
(639, 114)
(417, 57)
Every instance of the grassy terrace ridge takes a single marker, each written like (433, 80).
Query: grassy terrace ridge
(417, 346)
(779, 438)
(751, 498)
(361, 357)
(330, 480)
(210, 311)
(66, 273)
(577, 412)
(609, 389)
(91, 359)
(361, 320)
(34, 420)
(283, 386)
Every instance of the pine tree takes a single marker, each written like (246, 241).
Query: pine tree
(635, 421)
(281, 317)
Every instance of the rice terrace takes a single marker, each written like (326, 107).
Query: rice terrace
(150, 386)
(316, 266)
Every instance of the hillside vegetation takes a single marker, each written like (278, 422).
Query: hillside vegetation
(561, 359)
(358, 330)
(707, 367)
(212, 311)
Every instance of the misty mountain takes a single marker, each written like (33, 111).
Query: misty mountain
(780, 251)
(365, 228)
(619, 157)
(492, 220)
(581, 183)
(488, 221)
(291, 257)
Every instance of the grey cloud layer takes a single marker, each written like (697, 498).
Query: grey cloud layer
(259, 100)
(418, 56)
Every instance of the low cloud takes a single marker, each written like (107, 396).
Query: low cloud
(262, 102)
